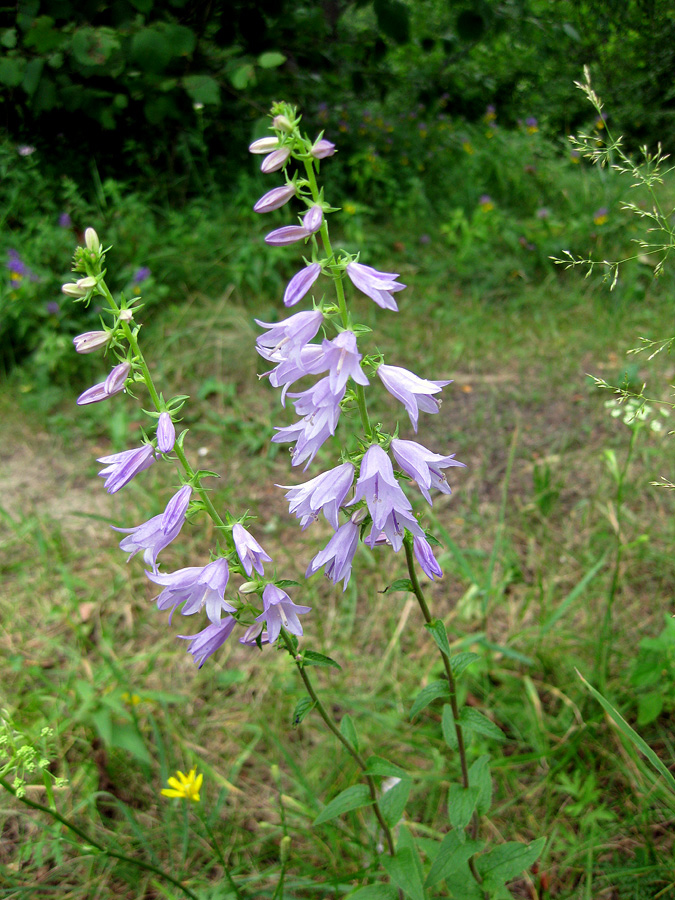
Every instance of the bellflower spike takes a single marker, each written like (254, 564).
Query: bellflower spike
(120, 468)
(157, 533)
(300, 283)
(288, 234)
(288, 337)
(377, 484)
(275, 161)
(249, 551)
(342, 360)
(423, 466)
(113, 384)
(379, 286)
(289, 370)
(197, 588)
(338, 555)
(212, 638)
(322, 148)
(264, 145)
(313, 219)
(413, 392)
(166, 433)
(275, 199)
(91, 341)
(280, 611)
(326, 493)
(426, 558)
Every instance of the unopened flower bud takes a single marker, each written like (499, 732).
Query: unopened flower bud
(252, 632)
(91, 240)
(313, 219)
(249, 587)
(114, 383)
(91, 341)
(166, 433)
(264, 145)
(126, 315)
(275, 199)
(321, 149)
(282, 123)
(275, 160)
(73, 290)
(285, 848)
(359, 515)
(86, 284)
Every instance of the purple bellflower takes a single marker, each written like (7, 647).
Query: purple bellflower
(338, 555)
(197, 587)
(249, 551)
(287, 234)
(113, 384)
(413, 392)
(280, 611)
(275, 161)
(212, 638)
(120, 468)
(157, 533)
(300, 283)
(321, 410)
(254, 633)
(288, 337)
(426, 558)
(322, 148)
(166, 433)
(326, 493)
(91, 341)
(379, 286)
(289, 370)
(342, 360)
(275, 199)
(423, 466)
(313, 219)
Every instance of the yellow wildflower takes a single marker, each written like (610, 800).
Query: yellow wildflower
(185, 786)
(468, 148)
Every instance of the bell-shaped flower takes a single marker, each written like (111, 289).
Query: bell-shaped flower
(197, 588)
(275, 161)
(423, 466)
(338, 555)
(291, 370)
(322, 148)
(394, 529)
(321, 410)
(113, 384)
(288, 337)
(279, 612)
(413, 392)
(326, 493)
(249, 551)
(377, 485)
(212, 638)
(379, 286)
(120, 468)
(426, 558)
(157, 533)
(166, 433)
(254, 634)
(313, 219)
(342, 360)
(300, 283)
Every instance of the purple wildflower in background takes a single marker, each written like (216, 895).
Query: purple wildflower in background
(300, 283)
(326, 493)
(25, 150)
(120, 468)
(342, 360)
(52, 307)
(249, 551)
(65, 221)
(113, 384)
(157, 533)
(275, 199)
(423, 466)
(197, 587)
(313, 219)
(338, 555)
(379, 286)
(426, 558)
(288, 337)
(413, 392)
(287, 234)
(531, 125)
(166, 433)
(141, 275)
(322, 148)
(600, 216)
(280, 611)
(212, 638)
(543, 213)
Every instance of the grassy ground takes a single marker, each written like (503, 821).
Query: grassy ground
(530, 543)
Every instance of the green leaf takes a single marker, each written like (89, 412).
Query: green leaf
(448, 725)
(479, 776)
(649, 708)
(393, 19)
(461, 804)
(126, 737)
(243, 76)
(151, 50)
(31, 76)
(93, 46)
(452, 855)
(630, 733)
(392, 802)
(8, 39)
(428, 694)
(377, 765)
(11, 70)
(183, 40)
(348, 731)
(312, 658)
(474, 721)
(202, 89)
(271, 59)
(352, 798)
(404, 872)
(374, 892)
(302, 707)
(507, 861)
(401, 584)
(461, 661)
(103, 723)
(437, 630)
(42, 36)
(577, 591)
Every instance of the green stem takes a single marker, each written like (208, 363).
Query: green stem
(459, 733)
(216, 847)
(148, 867)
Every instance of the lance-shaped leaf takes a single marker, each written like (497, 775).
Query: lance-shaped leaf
(352, 798)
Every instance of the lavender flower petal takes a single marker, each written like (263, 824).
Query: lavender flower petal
(288, 234)
(338, 555)
(300, 283)
(275, 199)
(249, 551)
(166, 433)
(280, 611)
(212, 638)
(120, 468)
(413, 392)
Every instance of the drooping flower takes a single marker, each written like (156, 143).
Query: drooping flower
(326, 493)
(379, 286)
(425, 557)
(393, 532)
(120, 468)
(157, 533)
(313, 219)
(342, 360)
(300, 283)
(113, 384)
(423, 466)
(275, 199)
(249, 551)
(166, 433)
(275, 161)
(288, 371)
(206, 642)
(287, 234)
(197, 587)
(322, 148)
(91, 341)
(280, 611)
(413, 392)
(377, 485)
(184, 786)
(288, 337)
(321, 410)
(338, 554)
